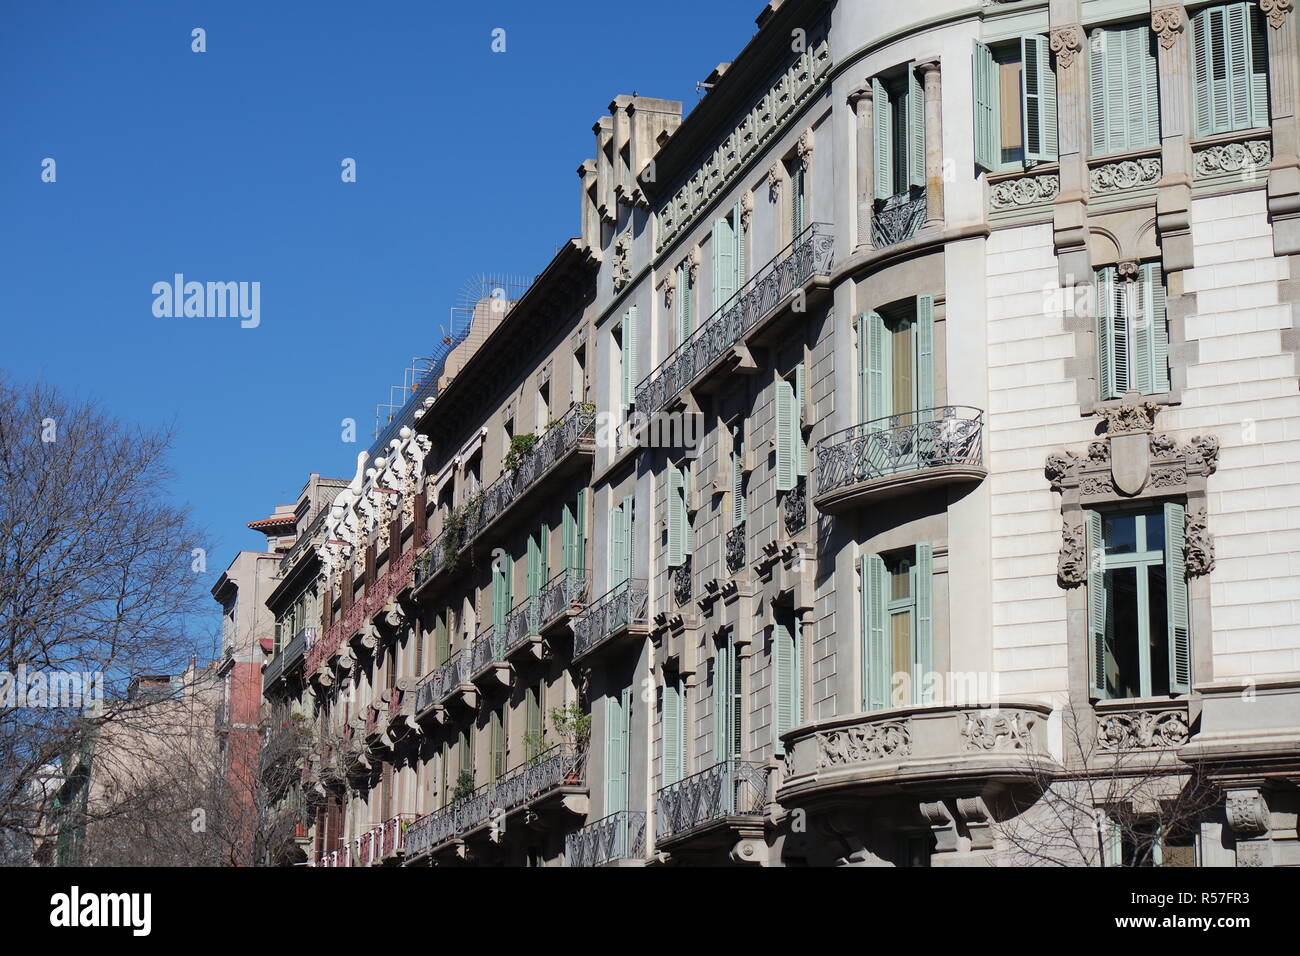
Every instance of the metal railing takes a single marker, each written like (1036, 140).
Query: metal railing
(567, 589)
(432, 559)
(486, 649)
(948, 435)
(563, 437)
(623, 606)
(438, 684)
(619, 836)
(377, 594)
(897, 218)
(811, 254)
(730, 788)
(290, 654)
(393, 836)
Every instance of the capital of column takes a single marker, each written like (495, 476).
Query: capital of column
(1169, 23)
(1067, 43)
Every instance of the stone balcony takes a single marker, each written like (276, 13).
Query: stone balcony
(898, 454)
(620, 612)
(721, 341)
(618, 839)
(915, 748)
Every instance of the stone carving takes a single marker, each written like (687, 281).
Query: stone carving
(1168, 23)
(1133, 414)
(1168, 477)
(1059, 465)
(1203, 450)
(1142, 730)
(1247, 812)
(1198, 544)
(988, 730)
(1231, 158)
(622, 272)
(1072, 562)
(1023, 191)
(746, 210)
(1098, 453)
(1066, 43)
(774, 183)
(1126, 174)
(1095, 485)
(1276, 11)
(804, 149)
(864, 742)
(670, 288)
(1162, 446)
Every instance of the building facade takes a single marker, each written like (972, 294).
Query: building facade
(901, 468)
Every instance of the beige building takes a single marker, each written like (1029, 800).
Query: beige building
(900, 469)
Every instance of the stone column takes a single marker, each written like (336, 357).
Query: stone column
(1284, 171)
(1174, 191)
(1070, 208)
(861, 103)
(933, 143)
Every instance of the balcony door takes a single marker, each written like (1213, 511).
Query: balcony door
(618, 739)
(896, 383)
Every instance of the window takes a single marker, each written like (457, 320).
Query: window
(537, 564)
(679, 524)
(787, 676)
(1015, 104)
(501, 574)
(578, 385)
(673, 724)
(543, 406)
(728, 246)
(618, 719)
(897, 626)
(573, 523)
(896, 360)
(535, 709)
(1144, 843)
(627, 358)
(1132, 332)
(500, 745)
(685, 307)
(898, 113)
(791, 455)
(1229, 69)
(738, 507)
(1139, 638)
(441, 640)
(799, 197)
(1123, 89)
(728, 700)
(619, 552)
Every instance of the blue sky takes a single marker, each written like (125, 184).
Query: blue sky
(225, 166)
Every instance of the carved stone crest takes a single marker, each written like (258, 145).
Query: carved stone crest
(1066, 43)
(1168, 23)
(1276, 11)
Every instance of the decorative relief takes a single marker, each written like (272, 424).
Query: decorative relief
(1168, 23)
(670, 288)
(1024, 191)
(746, 210)
(1198, 544)
(1072, 562)
(622, 273)
(1124, 175)
(986, 730)
(774, 181)
(793, 88)
(1066, 44)
(864, 742)
(1142, 730)
(1132, 415)
(1225, 159)
(804, 149)
(1276, 11)
(1247, 812)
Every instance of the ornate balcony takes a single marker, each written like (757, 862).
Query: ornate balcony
(622, 610)
(682, 581)
(709, 800)
(897, 218)
(441, 683)
(563, 596)
(487, 657)
(289, 657)
(619, 836)
(393, 838)
(432, 561)
(794, 507)
(879, 753)
(574, 433)
(896, 454)
(736, 548)
(810, 255)
(366, 845)
(395, 579)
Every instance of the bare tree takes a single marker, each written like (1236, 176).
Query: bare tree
(1115, 801)
(97, 578)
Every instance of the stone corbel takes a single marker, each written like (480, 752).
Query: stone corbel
(1276, 11)
(942, 825)
(1248, 817)
(1168, 23)
(1066, 42)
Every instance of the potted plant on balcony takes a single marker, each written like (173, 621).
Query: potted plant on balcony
(521, 446)
(464, 786)
(574, 727)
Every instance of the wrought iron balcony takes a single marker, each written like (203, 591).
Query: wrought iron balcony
(736, 548)
(897, 218)
(563, 593)
(575, 431)
(810, 254)
(729, 789)
(289, 657)
(619, 836)
(936, 445)
(619, 610)
(682, 581)
(438, 684)
(431, 561)
(488, 648)
(795, 507)
(393, 839)
(366, 844)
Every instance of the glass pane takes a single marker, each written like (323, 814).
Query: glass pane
(1119, 531)
(900, 581)
(900, 637)
(903, 350)
(1155, 531)
(1158, 620)
(1123, 678)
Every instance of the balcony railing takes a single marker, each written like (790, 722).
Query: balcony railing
(576, 428)
(730, 788)
(619, 836)
(438, 684)
(487, 648)
(626, 605)
(377, 594)
(393, 838)
(561, 766)
(290, 654)
(432, 560)
(566, 590)
(897, 218)
(897, 444)
(366, 845)
(810, 254)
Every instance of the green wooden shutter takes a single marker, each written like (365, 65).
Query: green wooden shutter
(877, 390)
(616, 717)
(629, 356)
(1144, 89)
(723, 701)
(501, 592)
(1109, 370)
(738, 224)
(1202, 88)
(1259, 111)
(1237, 36)
(616, 558)
(676, 517)
(1156, 323)
(738, 513)
(924, 621)
(915, 130)
(580, 531)
(534, 720)
(671, 769)
(988, 149)
(534, 567)
(1230, 69)
(1123, 79)
(499, 743)
(1096, 605)
(1099, 54)
(864, 381)
(786, 679)
(1180, 644)
(800, 399)
(1038, 100)
(786, 427)
(569, 532)
(884, 145)
(924, 354)
(798, 201)
(441, 645)
(876, 665)
(629, 534)
(724, 261)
